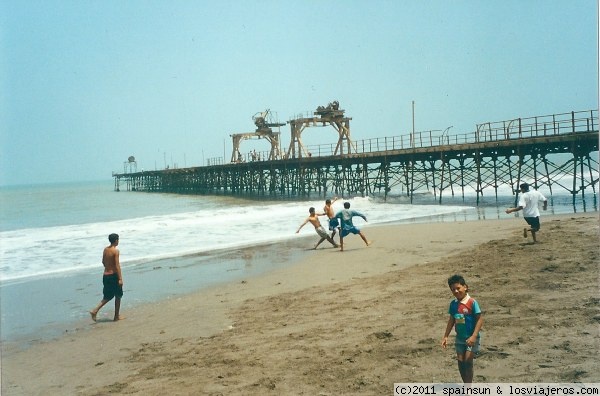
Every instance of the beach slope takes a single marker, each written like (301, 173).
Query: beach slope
(350, 323)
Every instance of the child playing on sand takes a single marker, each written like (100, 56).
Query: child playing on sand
(465, 317)
(313, 219)
(112, 278)
(346, 227)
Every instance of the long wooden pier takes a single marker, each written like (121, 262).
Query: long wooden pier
(559, 151)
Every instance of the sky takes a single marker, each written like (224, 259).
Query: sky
(84, 85)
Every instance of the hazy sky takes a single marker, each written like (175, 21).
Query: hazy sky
(86, 84)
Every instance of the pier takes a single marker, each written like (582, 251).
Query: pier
(559, 151)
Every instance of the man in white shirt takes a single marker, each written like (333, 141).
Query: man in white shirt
(528, 203)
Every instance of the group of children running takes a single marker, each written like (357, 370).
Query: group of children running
(341, 221)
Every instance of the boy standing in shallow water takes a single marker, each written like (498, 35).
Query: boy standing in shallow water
(465, 317)
(112, 278)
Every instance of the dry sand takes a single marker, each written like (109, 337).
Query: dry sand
(349, 323)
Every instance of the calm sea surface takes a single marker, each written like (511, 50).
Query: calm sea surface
(52, 236)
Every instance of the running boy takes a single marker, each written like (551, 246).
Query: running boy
(112, 278)
(465, 317)
(346, 227)
(313, 219)
(529, 204)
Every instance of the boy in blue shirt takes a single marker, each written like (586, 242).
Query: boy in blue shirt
(346, 226)
(465, 317)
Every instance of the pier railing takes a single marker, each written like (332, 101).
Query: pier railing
(555, 124)
(531, 127)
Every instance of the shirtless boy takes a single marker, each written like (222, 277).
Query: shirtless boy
(112, 278)
(313, 219)
(334, 223)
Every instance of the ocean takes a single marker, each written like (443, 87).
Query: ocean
(52, 237)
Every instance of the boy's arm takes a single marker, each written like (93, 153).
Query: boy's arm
(448, 330)
(118, 267)
(361, 215)
(511, 210)
(303, 224)
(478, 324)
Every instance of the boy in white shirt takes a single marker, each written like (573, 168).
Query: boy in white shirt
(528, 203)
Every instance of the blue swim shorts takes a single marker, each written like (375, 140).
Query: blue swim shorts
(334, 223)
(460, 346)
(346, 231)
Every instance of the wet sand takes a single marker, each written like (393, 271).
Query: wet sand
(348, 323)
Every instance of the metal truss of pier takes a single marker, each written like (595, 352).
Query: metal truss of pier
(559, 151)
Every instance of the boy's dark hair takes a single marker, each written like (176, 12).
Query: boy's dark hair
(311, 210)
(346, 205)
(456, 279)
(328, 201)
(524, 187)
(113, 238)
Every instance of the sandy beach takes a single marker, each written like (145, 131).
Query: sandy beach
(349, 323)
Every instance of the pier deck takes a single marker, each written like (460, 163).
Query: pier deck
(559, 151)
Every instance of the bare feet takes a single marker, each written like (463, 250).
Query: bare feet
(369, 243)
(93, 315)
(119, 318)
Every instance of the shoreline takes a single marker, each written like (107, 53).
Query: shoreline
(240, 308)
(67, 295)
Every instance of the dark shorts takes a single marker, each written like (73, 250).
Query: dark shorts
(534, 222)
(460, 346)
(334, 223)
(346, 231)
(111, 287)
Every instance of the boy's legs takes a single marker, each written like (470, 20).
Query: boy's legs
(341, 243)
(364, 238)
(117, 309)
(465, 366)
(318, 243)
(534, 223)
(333, 226)
(330, 239)
(94, 312)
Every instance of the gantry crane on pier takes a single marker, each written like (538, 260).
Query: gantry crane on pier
(264, 124)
